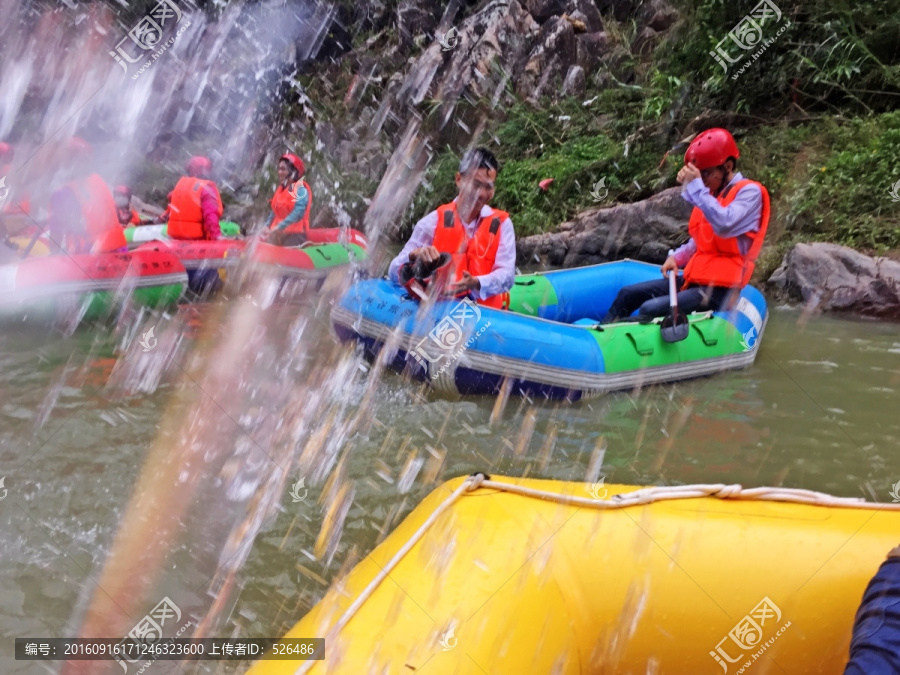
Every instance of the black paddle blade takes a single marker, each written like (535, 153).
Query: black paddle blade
(674, 327)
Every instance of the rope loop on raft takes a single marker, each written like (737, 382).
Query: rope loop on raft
(652, 494)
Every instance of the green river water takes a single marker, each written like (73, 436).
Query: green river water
(818, 410)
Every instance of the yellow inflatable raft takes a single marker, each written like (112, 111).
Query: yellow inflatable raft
(519, 576)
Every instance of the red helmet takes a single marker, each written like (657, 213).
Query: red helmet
(198, 166)
(6, 152)
(711, 148)
(122, 190)
(294, 161)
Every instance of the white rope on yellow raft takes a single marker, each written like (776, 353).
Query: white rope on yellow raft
(636, 498)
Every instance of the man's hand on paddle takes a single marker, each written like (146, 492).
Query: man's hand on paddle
(669, 266)
(687, 173)
(467, 283)
(427, 254)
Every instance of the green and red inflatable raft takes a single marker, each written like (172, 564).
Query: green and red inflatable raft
(324, 250)
(136, 235)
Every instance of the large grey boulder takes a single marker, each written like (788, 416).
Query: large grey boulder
(644, 230)
(833, 278)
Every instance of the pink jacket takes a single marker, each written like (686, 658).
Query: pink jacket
(209, 207)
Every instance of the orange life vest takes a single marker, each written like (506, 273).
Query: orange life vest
(185, 215)
(718, 260)
(283, 203)
(98, 213)
(476, 255)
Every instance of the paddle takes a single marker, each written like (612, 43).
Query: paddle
(674, 327)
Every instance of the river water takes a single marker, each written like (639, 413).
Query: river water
(818, 410)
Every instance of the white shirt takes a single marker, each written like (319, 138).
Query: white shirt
(501, 276)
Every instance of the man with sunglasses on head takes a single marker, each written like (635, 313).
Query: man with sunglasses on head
(727, 227)
(479, 239)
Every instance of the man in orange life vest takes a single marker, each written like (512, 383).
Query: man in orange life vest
(289, 220)
(480, 239)
(195, 206)
(83, 212)
(727, 227)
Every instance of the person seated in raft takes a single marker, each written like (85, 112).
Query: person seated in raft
(727, 227)
(195, 206)
(875, 646)
(480, 239)
(82, 216)
(127, 215)
(288, 221)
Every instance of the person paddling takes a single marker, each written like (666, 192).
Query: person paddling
(727, 228)
(480, 239)
(195, 206)
(288, 221)
(82, 213)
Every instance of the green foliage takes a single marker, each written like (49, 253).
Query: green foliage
(848, 199)
(664, 89)
(833, 54)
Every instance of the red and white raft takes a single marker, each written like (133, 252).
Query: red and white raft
(48, 283)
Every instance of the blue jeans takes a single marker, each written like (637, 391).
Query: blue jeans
(651, 299)
(875, 647)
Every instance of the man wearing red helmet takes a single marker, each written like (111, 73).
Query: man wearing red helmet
(83, 212)
(289, 220)
(195, 206)
(727, 227)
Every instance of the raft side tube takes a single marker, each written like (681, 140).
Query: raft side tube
(531, 584)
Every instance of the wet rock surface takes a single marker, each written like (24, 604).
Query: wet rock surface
(645, 230)
(833, 278)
